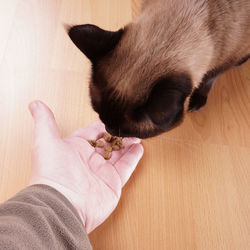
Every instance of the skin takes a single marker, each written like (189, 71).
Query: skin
(77, 170)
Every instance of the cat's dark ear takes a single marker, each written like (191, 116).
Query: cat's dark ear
(165, 105)
(93, 41)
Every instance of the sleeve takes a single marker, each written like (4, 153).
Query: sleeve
(39, 217)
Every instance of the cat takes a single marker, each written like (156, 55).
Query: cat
(147, 75)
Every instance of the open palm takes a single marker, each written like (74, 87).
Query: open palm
(79, 171)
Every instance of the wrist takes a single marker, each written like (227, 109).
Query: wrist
(71, 196)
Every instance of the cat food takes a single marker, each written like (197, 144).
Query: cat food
(115, 147)
(113, 143)
(99, 144)
(107, 137)
(117, 142)
(92, 143)
(108, 148)
(107, 155)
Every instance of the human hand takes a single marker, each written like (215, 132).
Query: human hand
(77, 170)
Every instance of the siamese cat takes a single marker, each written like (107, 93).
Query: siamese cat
(147, 75)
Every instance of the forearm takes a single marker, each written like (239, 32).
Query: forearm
(39, 217)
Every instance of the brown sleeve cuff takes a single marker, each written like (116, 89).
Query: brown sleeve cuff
(39, 217)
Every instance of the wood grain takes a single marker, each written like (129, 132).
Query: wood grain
(191, 189)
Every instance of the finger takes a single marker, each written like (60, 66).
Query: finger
(116, 155)
(131, 140)
(128, 162)
(45, 124)
(92, 132)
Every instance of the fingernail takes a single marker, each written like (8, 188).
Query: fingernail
(33, 105)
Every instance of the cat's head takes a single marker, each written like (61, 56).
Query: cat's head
(137, 87)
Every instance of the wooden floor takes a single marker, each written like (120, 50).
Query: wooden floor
(191, 189)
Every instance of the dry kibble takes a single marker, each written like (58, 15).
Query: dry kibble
(108, 148)
(118, 142)
(121, 145)
(107, 155)
(115, 147)
(114, 138)
(92, 143)
(99, 144)
(114, 143)
(107, 137)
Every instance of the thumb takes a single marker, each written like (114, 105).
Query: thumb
(45, 124)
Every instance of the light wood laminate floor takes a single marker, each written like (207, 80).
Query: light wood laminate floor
(191, 189)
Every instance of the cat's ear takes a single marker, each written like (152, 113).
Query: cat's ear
(165, 105)
(93, 41)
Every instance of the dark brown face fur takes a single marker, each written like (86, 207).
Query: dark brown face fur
(143, 75)
(152, 108)
(158, 111)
